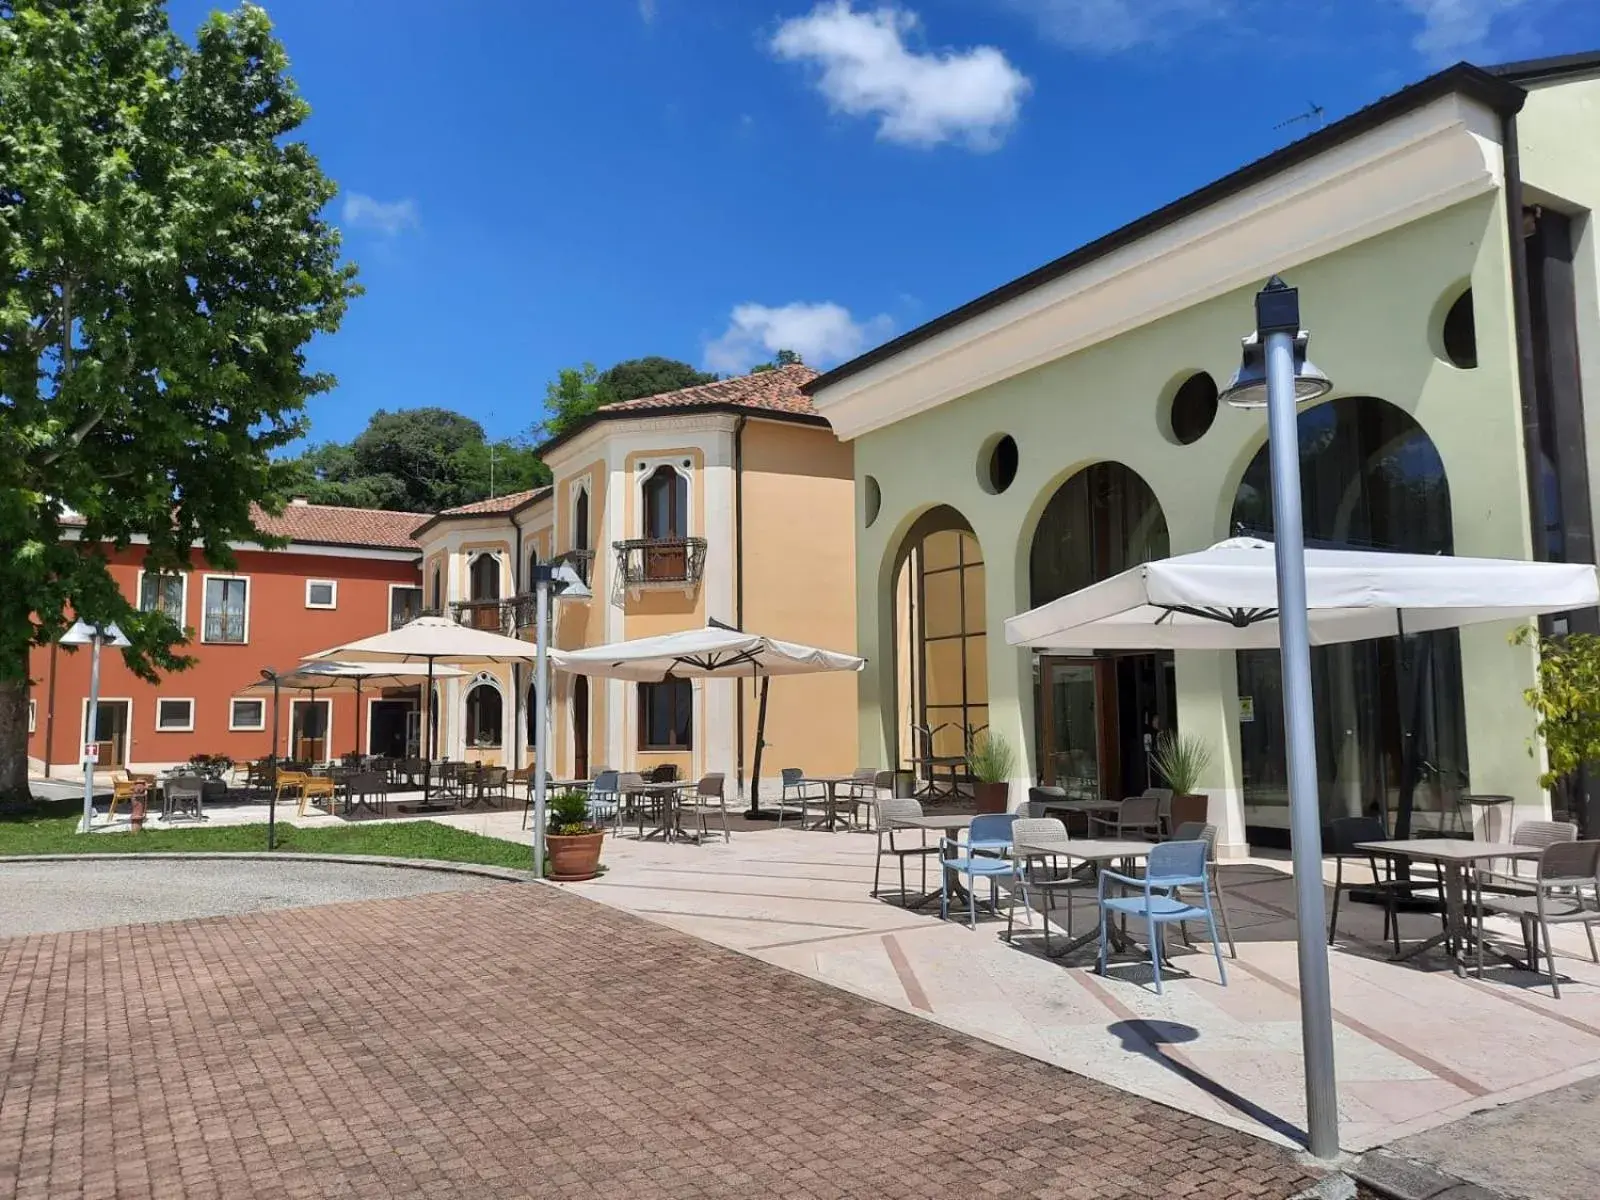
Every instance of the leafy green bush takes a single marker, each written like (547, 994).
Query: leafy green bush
(567, 814)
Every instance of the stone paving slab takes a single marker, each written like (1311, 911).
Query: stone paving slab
(521, 1041)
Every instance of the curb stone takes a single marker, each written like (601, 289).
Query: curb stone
(505, 874)
(1337, 1186)
(1397, 1178)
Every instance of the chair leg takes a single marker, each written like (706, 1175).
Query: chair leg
(1216, 946)
(877, 869)
(972, 902)
(1588, 928)
(1550, 959)
(905, 897)
(1338, 887)
(1153, 929)
(944, 895)
(1100, 964)
(1222, 910)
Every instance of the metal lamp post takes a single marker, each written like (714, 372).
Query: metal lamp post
(546, 579)
(1276, 375)
(94, 636)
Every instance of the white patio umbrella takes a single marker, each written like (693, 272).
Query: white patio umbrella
(1225, 598)
(715, 652)
(434, 641)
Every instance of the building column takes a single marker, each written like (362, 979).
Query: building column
(1208, 708)
(1011, 696)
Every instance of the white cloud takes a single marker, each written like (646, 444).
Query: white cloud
(388, 217)
(822, 334)
(920, 98)
(1112, 26)
(1455, 29)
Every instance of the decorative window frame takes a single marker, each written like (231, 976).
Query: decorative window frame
(187, 727)
(422, 598)
(582, 485)
(234, 726)
(332, 603)
(643, 468)
(484, 679)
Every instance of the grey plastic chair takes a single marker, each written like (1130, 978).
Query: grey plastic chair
(1137, 816)
(1566, 891)
(792, 790)
(1529, 833)
(183, 795)
(709, 795)
(887, 811)
(1045, 831)
(1191, 831)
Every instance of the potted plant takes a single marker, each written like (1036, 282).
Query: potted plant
(572, 838)
(990, 762)
(1182, 759)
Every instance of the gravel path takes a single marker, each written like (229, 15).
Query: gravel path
(62, 896)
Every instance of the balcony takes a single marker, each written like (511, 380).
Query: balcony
(660, 562)
(492, 616)
(581, 561)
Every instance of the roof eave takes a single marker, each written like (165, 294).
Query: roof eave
(678, 410)
(1498, 94)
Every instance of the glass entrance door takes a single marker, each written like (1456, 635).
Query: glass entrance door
(1074, 708)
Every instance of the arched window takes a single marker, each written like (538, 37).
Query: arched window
(580, 520)
(483, 715)
(484, 578)
(1391, 719)
(666, 505)
(437, 601)
(533, 561)
(1103, 520)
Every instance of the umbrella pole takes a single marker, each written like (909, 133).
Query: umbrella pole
(277, 763)
(755, 813)
(358, 720)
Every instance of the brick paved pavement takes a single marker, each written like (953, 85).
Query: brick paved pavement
(518, 1041)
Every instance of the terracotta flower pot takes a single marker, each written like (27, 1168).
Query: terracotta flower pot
(1193, 807)
(574, 857)
(992, 797)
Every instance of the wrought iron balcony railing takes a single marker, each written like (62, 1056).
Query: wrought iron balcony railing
(660, 562)
(493, 616)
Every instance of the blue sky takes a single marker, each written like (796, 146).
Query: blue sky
(530, 185)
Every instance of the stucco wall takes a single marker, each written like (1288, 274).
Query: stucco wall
(1372, 311)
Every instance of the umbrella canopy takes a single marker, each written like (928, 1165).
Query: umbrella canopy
(1226, 598)
(353, 677)
(433, 639)
(712, 652)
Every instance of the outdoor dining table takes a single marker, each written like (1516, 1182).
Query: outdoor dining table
(942, 823)
(1092, 852)
(1453, 856)
(931, 764)
(830, 784)
(669, 829)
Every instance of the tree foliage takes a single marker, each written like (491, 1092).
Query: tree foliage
(577, 392)
(163, 263)
(1565, 699)
(415, 460)
(783, 358)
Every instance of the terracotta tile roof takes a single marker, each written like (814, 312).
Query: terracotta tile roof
(773, 391)
(325, 524)
(500, 504)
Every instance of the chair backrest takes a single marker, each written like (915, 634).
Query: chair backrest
(368, 783)
(1345, 832)
(1574, 863)
(1544, 833)
(1191, 831)
(991, 827)
(1140, 810)
(1177, 860)
(897, 808)
(628, 781)
(711, 785)
(864, 775)
(494, 777)
(184, 785)
(1039, 831)
(604, 782)
(791, 776)
(1163, 798)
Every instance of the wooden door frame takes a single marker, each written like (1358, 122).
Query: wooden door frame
(327, 728)
(580, 727)
(1107, 753)
(105, 702)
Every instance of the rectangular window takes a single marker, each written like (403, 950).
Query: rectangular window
(405, 605)
(666, 715)
(247, 715)
(162, 593)
(33, 714)
(227, 610)
(175, 716)
(322, 593)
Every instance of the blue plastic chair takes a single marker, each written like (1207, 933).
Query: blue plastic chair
(982, 855)
(1172, 865)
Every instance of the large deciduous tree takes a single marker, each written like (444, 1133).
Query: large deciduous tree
(163, 263)
(577, 392)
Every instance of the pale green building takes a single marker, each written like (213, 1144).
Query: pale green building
(1066, 426)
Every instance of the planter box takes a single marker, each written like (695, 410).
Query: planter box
(1190, 808)
(992, 797)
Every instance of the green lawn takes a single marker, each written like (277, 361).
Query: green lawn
(48, 827)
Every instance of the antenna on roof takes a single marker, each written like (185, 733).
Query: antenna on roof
(1312, 116)
(491, 459)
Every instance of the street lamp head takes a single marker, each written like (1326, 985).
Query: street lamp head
(1248, 389)
(570, 582)
(84, 634)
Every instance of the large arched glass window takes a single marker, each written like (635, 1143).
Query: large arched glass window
(666, 505)
(483, 715)
(1103, 520)
(1390, 718)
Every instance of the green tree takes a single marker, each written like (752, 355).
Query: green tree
(648, 377)
(163, 263)
(569, 398)
(784, 358)
(1565, 699)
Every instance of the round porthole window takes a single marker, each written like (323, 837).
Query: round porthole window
(1194, 407)
(997, 465)
(871, 501)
